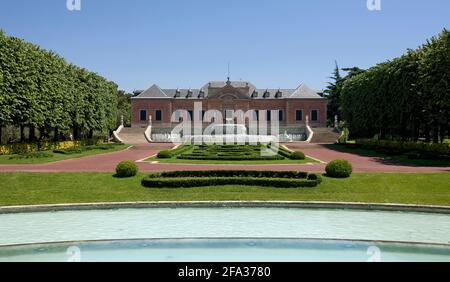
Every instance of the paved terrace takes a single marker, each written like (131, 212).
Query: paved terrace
(108, 162)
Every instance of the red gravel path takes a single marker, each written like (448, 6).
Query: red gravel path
(108, 162)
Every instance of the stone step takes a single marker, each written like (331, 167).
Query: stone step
(133, 136)
(325, 136)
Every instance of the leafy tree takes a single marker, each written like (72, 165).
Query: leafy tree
(333, 93)
(124, 107)
(406, 98)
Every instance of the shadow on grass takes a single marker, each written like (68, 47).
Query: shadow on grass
(397, 160)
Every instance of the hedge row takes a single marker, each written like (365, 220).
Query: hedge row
(405, 98)
(232, 173)
(230, 158)
(25, 148)
(412, 149)
(190, 182)
(41, 90)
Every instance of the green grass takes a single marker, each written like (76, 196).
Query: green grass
(399, 158)
(213, 150)
(55, 188)
(5, 159)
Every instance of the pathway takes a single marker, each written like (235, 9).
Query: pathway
(108, 162)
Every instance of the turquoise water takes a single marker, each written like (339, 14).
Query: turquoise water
(227, 250)
(242, 223)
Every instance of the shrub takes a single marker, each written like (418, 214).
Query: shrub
(165, 154)
(152, 182)
(339, 169)
(126, 169)
(232, 173)
(298, 156)
(315, 177)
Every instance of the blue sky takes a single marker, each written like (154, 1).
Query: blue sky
(185, 43)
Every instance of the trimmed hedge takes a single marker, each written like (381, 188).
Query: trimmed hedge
(230, 158)
(315, 177)
(232, 173)
(298, 156)
(126, 169)
(339, 169)
(165, 154)
(413, 150)
(189, 179)
(190, 182)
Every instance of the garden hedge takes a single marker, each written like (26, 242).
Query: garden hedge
(190, 182)
(189, 179)
(414, 150)
(232, 173)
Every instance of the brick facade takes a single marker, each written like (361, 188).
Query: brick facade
(227, 98)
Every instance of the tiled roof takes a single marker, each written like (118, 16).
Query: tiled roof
(302, 92)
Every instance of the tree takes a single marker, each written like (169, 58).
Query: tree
(333, 93)
(406, 98)
(124, 107)
(40, 90)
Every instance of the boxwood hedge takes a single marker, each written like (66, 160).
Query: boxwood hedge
(190, 182)
(189, 179)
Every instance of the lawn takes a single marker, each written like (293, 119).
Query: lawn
(398, 158)
(234, 154)
(54, 188)
(54, 157)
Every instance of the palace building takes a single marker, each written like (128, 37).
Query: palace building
(294, 106)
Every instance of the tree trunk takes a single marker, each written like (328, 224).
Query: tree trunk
(22, 134)
(427, 133)
(32, 133)
(91, 134)
(382, 133)
(75, 133)
(442, 133)
(435, 132)
(55, 136)
(41, 133)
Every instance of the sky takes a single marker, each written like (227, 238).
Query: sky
(186, 43)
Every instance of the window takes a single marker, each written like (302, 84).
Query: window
(269, 115)
(191, 115)
(314, 115)
(280, 115)
(143, 115)
(201, 115)
(158, 115)
(299, 115)
(256, 115)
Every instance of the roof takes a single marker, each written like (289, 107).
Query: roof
(301, 92)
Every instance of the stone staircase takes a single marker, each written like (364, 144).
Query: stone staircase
(325, 136)
(133, 136)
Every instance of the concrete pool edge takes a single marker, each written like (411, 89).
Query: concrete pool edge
(227, 204)
(218, 239)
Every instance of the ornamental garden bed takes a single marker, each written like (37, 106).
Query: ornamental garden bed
(191, 179)
(47, 156)
(217, 154)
